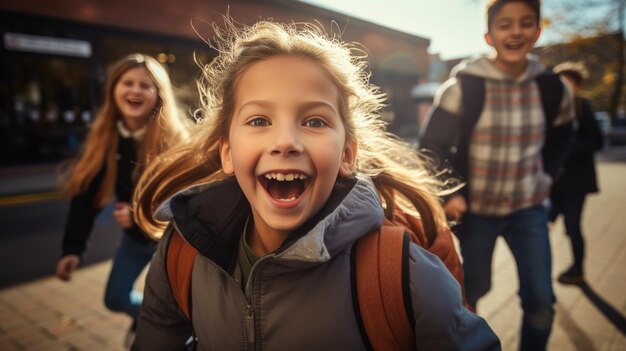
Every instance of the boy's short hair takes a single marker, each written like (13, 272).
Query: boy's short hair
(574, 70)
(494, 6)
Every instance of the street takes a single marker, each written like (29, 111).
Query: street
(30, 243)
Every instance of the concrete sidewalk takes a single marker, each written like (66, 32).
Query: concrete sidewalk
(580, 323)
(50, 315)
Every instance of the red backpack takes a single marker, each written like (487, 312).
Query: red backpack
(382, 290)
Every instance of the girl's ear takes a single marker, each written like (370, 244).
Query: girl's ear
(226, 158)
(348, 159)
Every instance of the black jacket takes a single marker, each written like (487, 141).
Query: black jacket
(84, 209)
(579, 171)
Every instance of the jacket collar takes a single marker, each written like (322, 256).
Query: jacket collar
(482, 66)
(211, 218)
(127, 133)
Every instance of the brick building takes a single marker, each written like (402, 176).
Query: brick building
(55, 55)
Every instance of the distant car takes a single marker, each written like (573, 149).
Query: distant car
(604, 121)
(615, 135)
(425, 92)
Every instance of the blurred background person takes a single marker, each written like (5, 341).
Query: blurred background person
(579, 172)
(138, 121)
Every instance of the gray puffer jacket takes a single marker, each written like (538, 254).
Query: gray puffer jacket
(298, 297)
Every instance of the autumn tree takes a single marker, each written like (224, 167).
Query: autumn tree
(591, 31)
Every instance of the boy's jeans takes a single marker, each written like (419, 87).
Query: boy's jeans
(130, 259)
(526, 233)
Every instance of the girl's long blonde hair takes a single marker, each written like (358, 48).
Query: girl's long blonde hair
(166, 128)
(400, 174)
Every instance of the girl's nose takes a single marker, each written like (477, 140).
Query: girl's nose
(286, 141)
(135, 88)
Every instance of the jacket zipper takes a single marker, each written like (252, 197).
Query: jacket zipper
(249, 308)
(250, 320)
(250, 325)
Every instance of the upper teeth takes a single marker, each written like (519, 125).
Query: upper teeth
(282, 177)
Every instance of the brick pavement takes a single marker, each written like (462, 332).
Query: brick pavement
(48, 314)
(51, 315)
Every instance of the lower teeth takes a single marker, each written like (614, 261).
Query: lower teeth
(287, 200)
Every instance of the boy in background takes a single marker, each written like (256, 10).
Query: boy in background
(579, 173)
(503, 125)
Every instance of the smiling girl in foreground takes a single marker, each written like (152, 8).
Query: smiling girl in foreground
(290, 168)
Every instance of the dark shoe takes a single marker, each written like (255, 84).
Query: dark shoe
(572, 276)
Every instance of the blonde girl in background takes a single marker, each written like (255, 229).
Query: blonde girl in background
(290, 166)
(138, 121)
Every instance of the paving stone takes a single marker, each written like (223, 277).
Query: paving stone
(48, 314)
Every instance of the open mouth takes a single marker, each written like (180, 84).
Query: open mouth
(513, 46)
(135, 102)
(285, 187)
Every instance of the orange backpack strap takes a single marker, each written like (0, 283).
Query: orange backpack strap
(381, 270)
(180, 258)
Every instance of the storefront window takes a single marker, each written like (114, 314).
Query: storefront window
(53, 76)
(50, 106)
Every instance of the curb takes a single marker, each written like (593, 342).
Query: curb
(23, 199)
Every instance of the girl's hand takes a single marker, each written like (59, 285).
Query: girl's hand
(456, 207)
(122, 215)
(66, 266)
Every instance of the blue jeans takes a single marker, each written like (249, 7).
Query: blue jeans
(130, 259)
(526, 233)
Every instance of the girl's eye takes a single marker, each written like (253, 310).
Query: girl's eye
(315, 123)
(259, 122)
